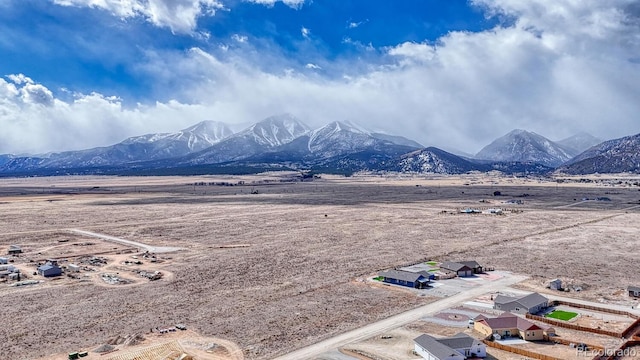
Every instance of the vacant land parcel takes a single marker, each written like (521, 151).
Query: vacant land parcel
(274, 265)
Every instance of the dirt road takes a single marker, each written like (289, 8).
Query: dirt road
(399, 320)
(149, 248)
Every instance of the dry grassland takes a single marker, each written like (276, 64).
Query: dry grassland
(303, 249)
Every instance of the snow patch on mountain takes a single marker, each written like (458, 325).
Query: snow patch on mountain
(525, 146)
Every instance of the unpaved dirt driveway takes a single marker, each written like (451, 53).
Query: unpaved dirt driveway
(149, 248)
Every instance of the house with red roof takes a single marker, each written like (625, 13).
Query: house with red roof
(510, 325)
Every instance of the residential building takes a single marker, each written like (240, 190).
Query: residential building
(634, 291)
(405, 278)
(477, 268)
(458, 347)
(4, 260)
(458, 268)
(510, 325)
(532, 303)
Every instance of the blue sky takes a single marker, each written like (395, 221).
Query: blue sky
(449, 73)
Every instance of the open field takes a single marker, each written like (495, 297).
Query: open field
(284, 268)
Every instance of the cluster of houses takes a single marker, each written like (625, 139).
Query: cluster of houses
(462, 346)
(422, 279)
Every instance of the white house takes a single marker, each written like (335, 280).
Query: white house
(458, 347)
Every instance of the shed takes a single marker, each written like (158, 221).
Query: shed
(555, 284)
(49, 270)
(634, 291)
(14, 276)
(14, 249)
(4, 260)
(74, 267)
(405, 278)
(458, 268)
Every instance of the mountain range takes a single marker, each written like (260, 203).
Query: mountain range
(284, 142)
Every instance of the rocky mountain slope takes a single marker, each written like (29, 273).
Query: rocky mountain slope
(613, 156)
(525, 146)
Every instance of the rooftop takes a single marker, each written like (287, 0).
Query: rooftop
(435, 347)
(402, 275)
(454, 266)
(527, 301)
(510, 321)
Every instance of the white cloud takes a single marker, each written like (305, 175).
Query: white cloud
(296, 4)
(313, 66)
(562, 67)
(413, 52)
(239, 38)
(20, 79)
(180, 16)
(353, 25)
(305, 32)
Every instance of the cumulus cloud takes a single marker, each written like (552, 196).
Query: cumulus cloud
(20, 79)
(556, 67)
(180, 16)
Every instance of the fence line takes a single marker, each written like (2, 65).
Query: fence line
(562, 341)
(596, 308)
(519, 351)
(560, 323)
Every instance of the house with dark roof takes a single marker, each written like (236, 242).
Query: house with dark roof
(510, 325)
(532, 303)
(458, 347)
(406, 278)
(49, 270)
(634, 291)
(461, 270)
(477, 268)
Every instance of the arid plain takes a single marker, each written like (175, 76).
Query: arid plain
(274, 264)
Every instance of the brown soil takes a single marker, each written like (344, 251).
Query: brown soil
(272, 273)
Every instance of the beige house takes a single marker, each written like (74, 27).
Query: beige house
(510, 325)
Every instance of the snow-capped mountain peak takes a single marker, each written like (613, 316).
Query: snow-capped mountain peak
(525, 146)
(195, 137)
(276, 130)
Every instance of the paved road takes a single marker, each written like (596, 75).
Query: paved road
(149, 248)
(396, 321)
